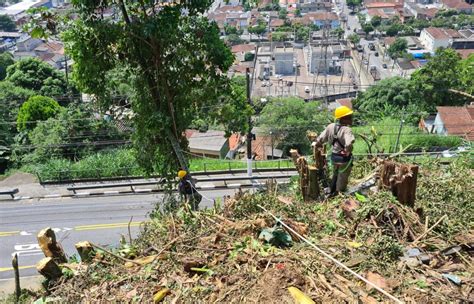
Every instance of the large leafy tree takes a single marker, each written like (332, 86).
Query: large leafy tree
(6, 60)
(173, 52)
(72, 134)
(397, 48)
(289, 118)
(11, 98)
(33, 74)
(387, 98)
(433, 81)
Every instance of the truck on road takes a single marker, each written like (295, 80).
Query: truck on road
(374, 72)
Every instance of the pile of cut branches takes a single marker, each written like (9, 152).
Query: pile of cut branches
(420, 255)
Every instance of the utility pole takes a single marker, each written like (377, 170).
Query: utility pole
(400, 130)
(249, 134)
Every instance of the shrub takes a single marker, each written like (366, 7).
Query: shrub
(36, 108)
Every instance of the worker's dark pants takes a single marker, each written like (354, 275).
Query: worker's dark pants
(340, 177)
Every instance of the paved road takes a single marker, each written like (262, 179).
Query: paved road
(101, 220)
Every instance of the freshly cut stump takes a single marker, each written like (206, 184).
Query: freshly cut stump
(49, 269)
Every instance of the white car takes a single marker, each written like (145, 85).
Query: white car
(307, 89)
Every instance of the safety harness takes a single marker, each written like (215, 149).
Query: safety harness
(339, 158)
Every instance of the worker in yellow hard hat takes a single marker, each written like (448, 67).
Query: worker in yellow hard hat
(188, 190)
(339, 135)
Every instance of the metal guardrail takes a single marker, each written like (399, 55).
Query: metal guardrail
(157, 182)
(125, 173)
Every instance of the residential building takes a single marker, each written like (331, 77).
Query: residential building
(284, 60)
(314, 6)
(321, 19)
(208, 144)
(27, 43)
(276, 23)
(240, 50)
(457, 121)
(457, 5)
(432, 38)
(421, 11)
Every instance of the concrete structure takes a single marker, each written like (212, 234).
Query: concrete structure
(433, 38)
(284, 60)
(18, 10)
(421, 11)
(329, 63)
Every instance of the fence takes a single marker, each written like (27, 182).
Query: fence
(126, 173)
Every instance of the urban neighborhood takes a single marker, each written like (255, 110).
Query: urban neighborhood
(236, 151)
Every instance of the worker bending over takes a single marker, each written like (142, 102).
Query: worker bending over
(339, 135)
(187, 189)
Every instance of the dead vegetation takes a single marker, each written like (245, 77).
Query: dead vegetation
(420, 254)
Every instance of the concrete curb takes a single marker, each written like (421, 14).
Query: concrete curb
(205, 187)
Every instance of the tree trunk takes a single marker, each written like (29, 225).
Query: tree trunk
(51, 248)
(49, 269)
(401, 179)
(313, 187)
(86, 251)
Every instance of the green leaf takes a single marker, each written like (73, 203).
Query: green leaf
(361, 198)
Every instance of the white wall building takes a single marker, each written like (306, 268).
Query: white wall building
(433, 38)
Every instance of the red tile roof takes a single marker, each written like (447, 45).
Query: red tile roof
(277, 22)
(456, 4)
(239, 48)
(458, 120)
(234, 141)
(442, 33)
(320, 16)
(230, 8)
(380, 5)
(465, 53)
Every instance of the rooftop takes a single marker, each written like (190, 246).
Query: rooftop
(458, 120)
(442, 33)
(243, 48)
(209, 141)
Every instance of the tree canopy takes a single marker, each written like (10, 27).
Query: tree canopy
(289, 118)
(397, 48)
(7, 24)
(36, 75)
(6, 60)
(174, 57)
(35, 109)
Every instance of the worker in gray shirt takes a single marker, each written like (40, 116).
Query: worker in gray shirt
(339, 135)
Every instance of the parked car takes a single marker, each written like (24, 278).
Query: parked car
(384, 65)
(306, 89)
(371, 46)
(376, 54)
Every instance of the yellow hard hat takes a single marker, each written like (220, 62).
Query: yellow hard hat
(342, 111)
(182, 173)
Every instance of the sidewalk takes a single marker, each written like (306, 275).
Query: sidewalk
(7, 286)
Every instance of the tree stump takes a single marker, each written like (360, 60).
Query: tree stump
(313, 183)
(51, 248)
(401, 179)
(48, 268)
(86, 251)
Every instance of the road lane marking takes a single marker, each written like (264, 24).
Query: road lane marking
(8, 233)
(106, 226)
(3, 269)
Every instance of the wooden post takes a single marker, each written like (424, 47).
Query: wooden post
(51, 248)
(86, 251)
(49, 269)
(16, 271)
